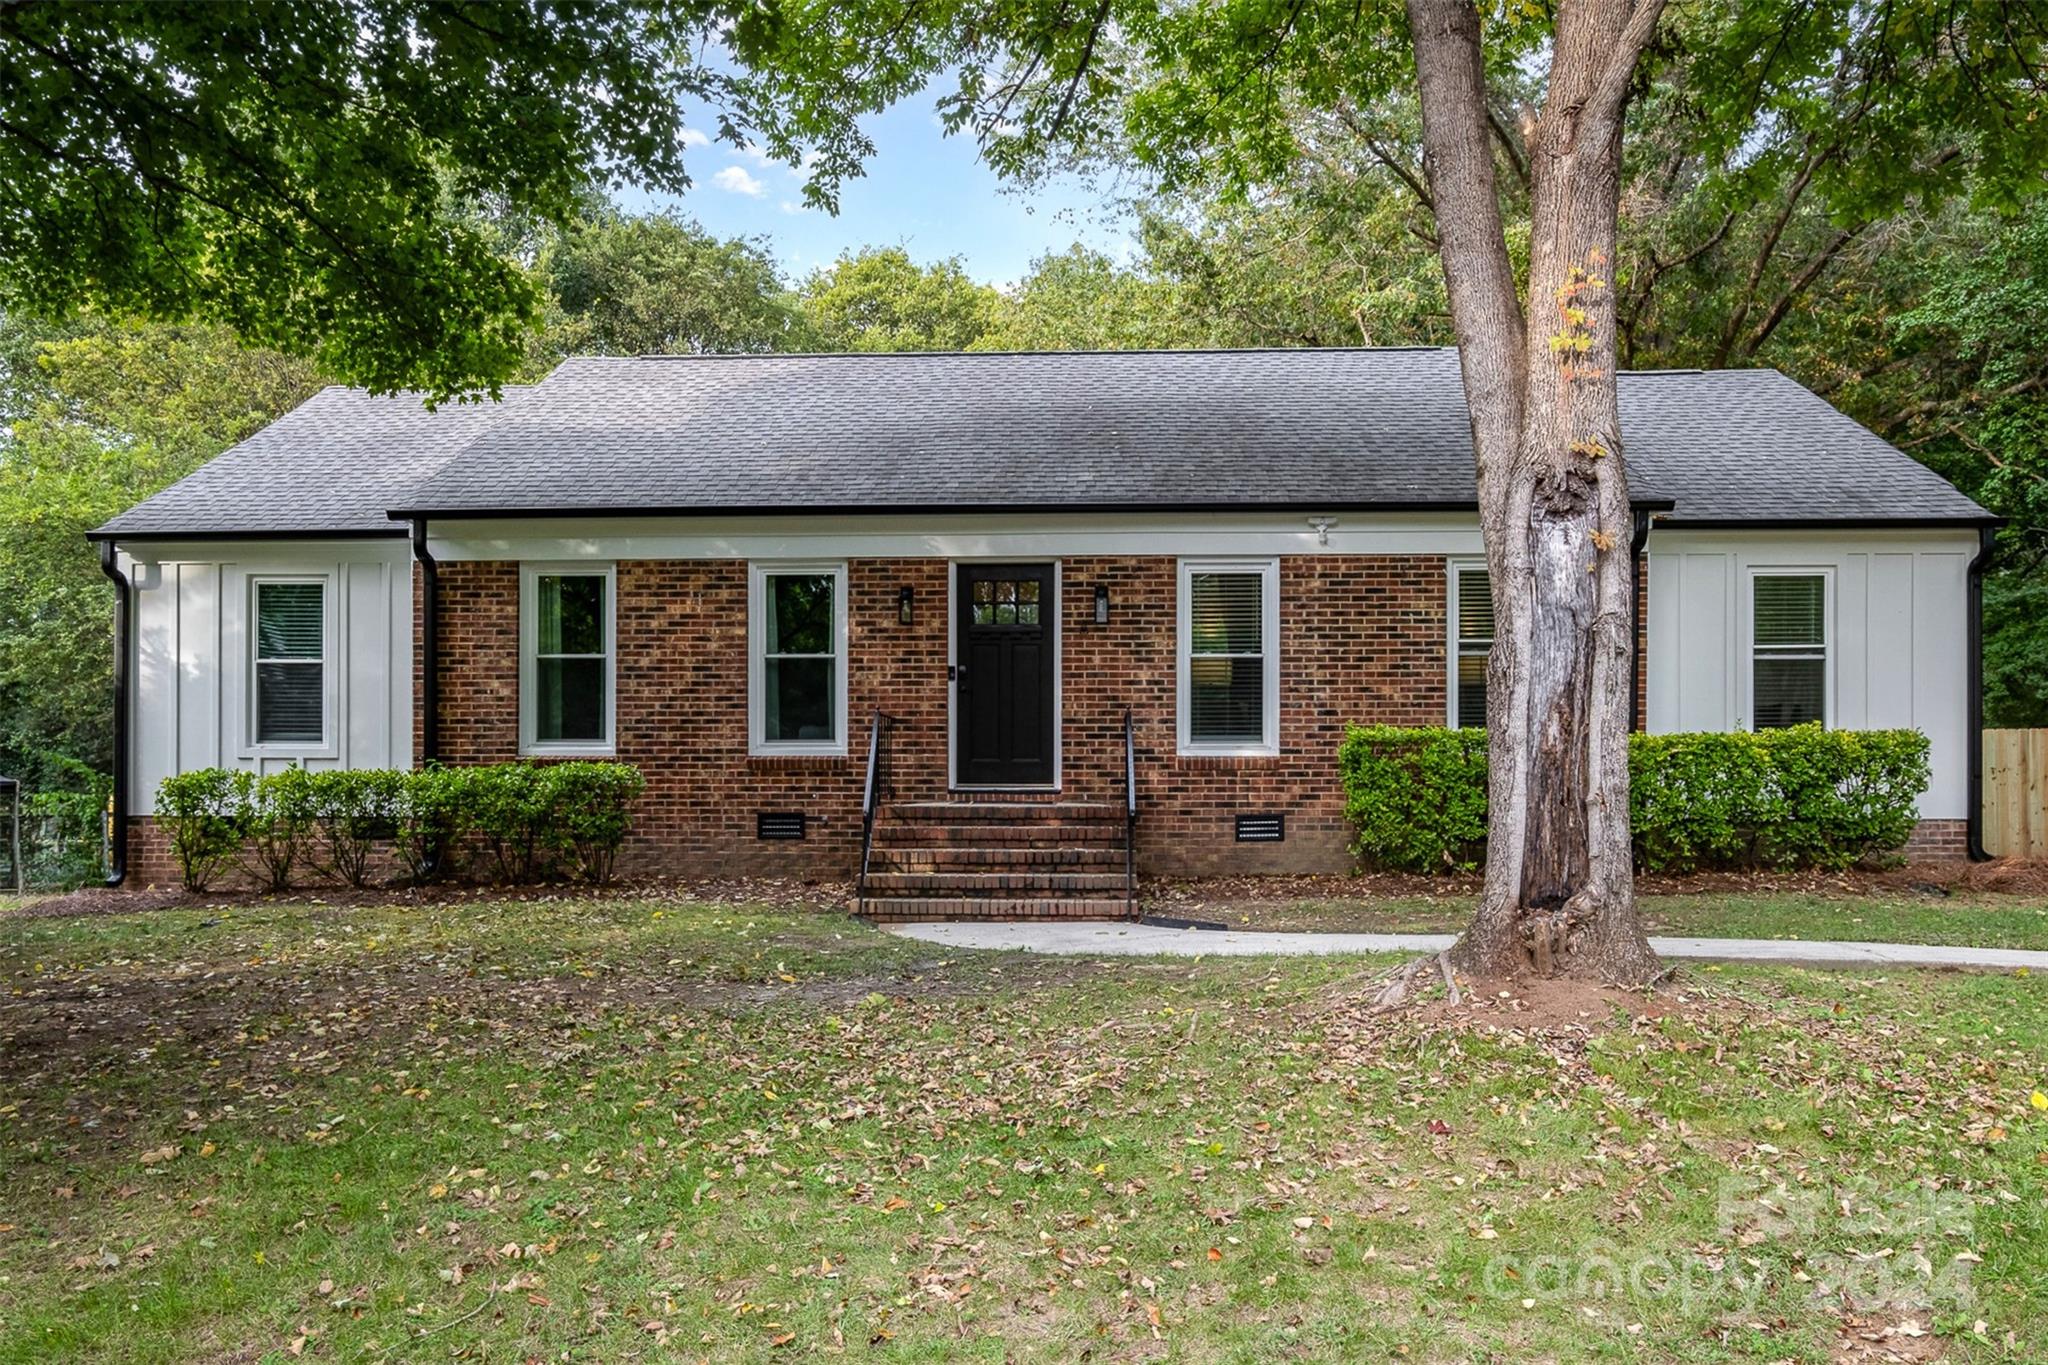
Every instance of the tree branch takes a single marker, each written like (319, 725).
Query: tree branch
(1486, 309)
(1807, 275)
(1639, 294)
(1507, 143)
(1602, 110)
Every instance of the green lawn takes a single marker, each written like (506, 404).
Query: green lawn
(649, 1130)
(1979, 920)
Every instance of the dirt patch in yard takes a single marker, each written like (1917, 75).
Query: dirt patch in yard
(781, 892)
(1880, 1339)
(264, 1024)
(2010, 876)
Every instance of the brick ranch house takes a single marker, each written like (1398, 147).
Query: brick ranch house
(724, 569)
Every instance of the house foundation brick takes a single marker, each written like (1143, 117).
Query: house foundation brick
(1936, 839)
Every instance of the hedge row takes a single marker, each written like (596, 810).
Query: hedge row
(1799, 797)
(511, 822)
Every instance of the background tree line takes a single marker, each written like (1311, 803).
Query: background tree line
(1915, 311)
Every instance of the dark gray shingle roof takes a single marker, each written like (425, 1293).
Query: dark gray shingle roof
(1128, 430)
(339, 462)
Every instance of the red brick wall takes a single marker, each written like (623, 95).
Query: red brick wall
(1361, 641)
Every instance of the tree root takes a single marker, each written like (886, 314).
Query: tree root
(1401, 986)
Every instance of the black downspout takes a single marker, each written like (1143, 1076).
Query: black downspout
(1987, 543)
(430, 645)
(1639, 536)
(124, 595)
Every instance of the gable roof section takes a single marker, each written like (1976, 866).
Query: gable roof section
(1054, 431)
(1130, 431)
(336, 465)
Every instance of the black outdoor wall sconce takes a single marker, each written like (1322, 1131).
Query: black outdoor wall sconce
(904, 597)
(1102, 604)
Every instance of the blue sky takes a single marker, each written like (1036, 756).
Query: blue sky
(925, 192)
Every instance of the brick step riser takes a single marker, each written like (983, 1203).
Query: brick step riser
(991, 836)
(999, 813)
(1032, 884)
(967, 859)
(908, 910)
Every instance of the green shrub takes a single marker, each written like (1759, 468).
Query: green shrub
(205, 816)
(1695, 800)
(1800, 797)
(353, 809)
(1840, 795)
(431, 819)
(1417, 797)
(509, 806)
(591, 812)
(528, 821)
(280, 816)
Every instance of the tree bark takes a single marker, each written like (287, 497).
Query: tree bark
(1559, 896)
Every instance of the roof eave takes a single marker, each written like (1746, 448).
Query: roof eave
(292, 533)
(1391, 506)
(1954, 523)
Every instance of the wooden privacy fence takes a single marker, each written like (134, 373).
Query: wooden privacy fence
(2016, 793)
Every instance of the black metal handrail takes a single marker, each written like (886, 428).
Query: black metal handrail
(1130, 817)
(879, 788)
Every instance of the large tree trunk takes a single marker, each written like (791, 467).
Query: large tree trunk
(1553, 492)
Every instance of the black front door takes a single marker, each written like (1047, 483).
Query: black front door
(1003, 678)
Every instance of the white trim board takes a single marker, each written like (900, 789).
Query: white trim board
(1014, 538)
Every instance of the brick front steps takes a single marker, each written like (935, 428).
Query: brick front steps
(982, 860)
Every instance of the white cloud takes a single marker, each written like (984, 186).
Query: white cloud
(792, 206)
(696, 137)
(735, 180)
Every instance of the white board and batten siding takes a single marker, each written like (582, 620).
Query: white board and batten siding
(194, 655)
(1897, 627)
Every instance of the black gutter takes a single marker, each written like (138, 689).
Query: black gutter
(1639, 536)
(1829, 523)
(873, 509)
(124, 596)
(1987, 543)
(430, 645)
(296, 533)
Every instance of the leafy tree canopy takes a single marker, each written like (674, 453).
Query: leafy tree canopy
(659, 284)
(878, 299)
(295, 171)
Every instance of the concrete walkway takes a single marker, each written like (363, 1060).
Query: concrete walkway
(1104, 938)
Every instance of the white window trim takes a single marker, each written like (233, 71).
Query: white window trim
(324, 747)
(1269, 603)
(1454, 570)
(529, 639)
(758, 573)
(1746, 633)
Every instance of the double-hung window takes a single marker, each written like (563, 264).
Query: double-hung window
(1471, 617)
(566, 657)
(797, 658)
(290, 664)
(1229, 656)
(1788, 648)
